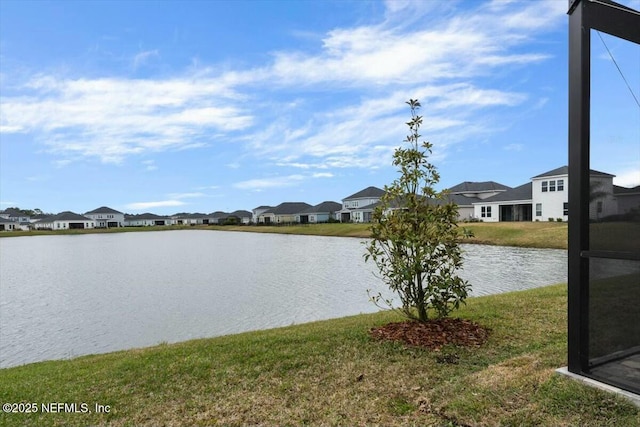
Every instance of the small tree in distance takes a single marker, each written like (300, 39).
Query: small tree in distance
(414, 235)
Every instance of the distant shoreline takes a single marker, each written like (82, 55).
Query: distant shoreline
(550, 235)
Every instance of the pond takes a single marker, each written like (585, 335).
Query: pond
(70, 295)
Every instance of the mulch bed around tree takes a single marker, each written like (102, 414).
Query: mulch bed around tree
(434, 334)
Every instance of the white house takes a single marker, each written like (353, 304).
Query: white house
(359, 206)
(146, 220)
(284, 213)
(243, 217)
(65, 221)
(106, 217)
(467, 193)
(628, 199)
(322, 212)
(259, 211)
(7, 225)
(545, 198)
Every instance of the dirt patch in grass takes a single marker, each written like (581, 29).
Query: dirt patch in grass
(433, 334)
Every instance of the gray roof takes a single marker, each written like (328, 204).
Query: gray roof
(289, 208)
(219, 214)
(564, 170)
(241, 214)
(262, 207)
(624, 191)
(145, 215)
(366, 193)
(523, 192)
(103, 209)
(461, 200)
(65, 216)
(324, 207)
(477, 187)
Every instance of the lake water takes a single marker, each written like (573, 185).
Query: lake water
(71, 295)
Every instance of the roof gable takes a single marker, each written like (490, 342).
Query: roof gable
(65, 216)
(477, 187)
(289, 208)
(564, 170)
(324, 207)
(103, 209)
(523, 192)
(369, 192)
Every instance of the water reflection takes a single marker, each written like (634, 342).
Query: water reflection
(65, 296)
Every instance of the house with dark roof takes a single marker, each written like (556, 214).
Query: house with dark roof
(284, 213)
(546, 197)
(359, 206)
(105, 217)
(241, 216)
(628, 199)
(66, 220)
(322, 212)
(147, 220)
(190, 219)
(13, 219)
(467, 193)
(8, 225)
(256, 212)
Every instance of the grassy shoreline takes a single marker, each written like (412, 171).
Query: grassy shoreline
(523, 234)
(331, 373)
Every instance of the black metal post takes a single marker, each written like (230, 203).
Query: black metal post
(579, 119)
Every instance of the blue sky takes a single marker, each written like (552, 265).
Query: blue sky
(211, 105)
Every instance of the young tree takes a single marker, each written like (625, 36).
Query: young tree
(414, 234)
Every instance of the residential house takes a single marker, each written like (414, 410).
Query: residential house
(147, 220)
(284, 213)
(106, 217)
(467, 193)
(546, 198)
(322, 212)
(242, 216)
(358, 207)
(190, 219)
(19, 220)
(8, 225)
(256, 212)
(510, 205)
(218, 217)
(628, 199)
(65, 221)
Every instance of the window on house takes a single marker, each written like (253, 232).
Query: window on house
(488, 211)
(552, 186)
(599, 207)
(565, 209)
(544, 186)
(538, 209)
(561, 185)
(485, 211)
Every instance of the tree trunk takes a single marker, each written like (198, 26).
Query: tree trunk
(420, 305)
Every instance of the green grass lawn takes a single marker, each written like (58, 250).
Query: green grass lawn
(332, 373)
(525, 234)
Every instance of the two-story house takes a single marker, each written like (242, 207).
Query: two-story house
(106, 217)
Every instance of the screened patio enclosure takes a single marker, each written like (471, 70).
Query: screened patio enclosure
(604, 255)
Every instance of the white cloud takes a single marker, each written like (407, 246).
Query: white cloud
(148, 205)
(437, 60)
(186, 195)
(143, 57)
(514, 147)
(628, 178)
(322, 175)
(149, 165)
(271, 182)
(112, 118)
